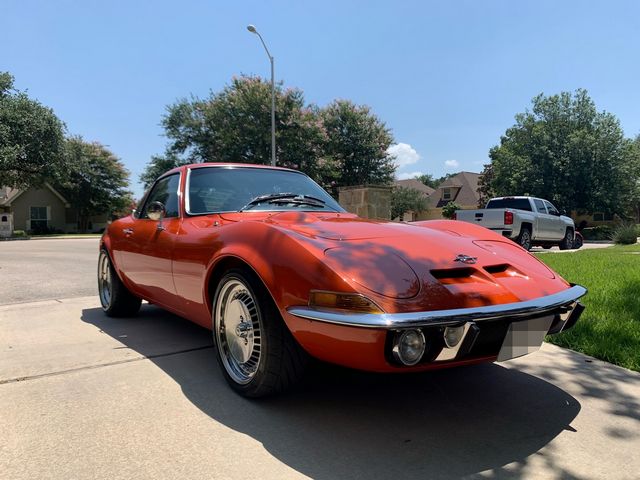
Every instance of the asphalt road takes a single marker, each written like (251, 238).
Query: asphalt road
(47, 269)
(85, 396)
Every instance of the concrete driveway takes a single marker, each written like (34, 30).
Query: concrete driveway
(84, 396)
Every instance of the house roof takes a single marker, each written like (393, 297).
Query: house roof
(466, 190)
(8, 195)
(415, 184)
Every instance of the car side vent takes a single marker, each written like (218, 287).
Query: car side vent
(452, 273)
(504, 270)
(493, 269)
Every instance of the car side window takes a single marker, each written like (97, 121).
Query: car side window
(164, 191)
(540, 206)
(551, 209)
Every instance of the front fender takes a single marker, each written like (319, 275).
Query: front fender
(288, 264)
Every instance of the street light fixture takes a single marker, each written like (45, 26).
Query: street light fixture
(252, 29)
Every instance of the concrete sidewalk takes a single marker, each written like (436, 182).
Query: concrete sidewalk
(84, 396)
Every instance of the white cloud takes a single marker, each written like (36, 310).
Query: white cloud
(405, 176)
(451, 164)
(405, 154)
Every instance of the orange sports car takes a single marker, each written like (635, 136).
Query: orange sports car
(272, 264)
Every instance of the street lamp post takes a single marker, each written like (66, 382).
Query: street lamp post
(252, 29)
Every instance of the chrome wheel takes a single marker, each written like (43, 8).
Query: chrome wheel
(237, 330)
(105, 285)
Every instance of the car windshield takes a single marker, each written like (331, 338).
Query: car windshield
(515, 203)
(224, 189)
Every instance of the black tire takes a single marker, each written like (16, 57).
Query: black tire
(242, 312)
(524, 239)
(567, 242)
(577, 242)
(115, 298)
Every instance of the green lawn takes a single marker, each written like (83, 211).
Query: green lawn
(609, 328)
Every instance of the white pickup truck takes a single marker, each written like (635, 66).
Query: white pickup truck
(528, 221)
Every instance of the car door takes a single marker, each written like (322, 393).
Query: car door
(556, 227)
(147, 248)
(544, 220)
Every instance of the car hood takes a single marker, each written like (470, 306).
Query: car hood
(431, 265)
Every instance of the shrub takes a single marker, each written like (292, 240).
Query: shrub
(601, 232)
(449, 210)
(19, 233)
(625, 234)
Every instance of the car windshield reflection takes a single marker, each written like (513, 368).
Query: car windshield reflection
(223, 189)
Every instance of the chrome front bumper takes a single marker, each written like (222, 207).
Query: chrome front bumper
(565, 300)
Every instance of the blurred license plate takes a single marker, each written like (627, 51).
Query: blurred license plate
(524, 337)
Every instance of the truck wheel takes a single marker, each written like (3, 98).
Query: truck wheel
(567, 242)
(577, 241)
(524, 239)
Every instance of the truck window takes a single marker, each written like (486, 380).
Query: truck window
(540, 206)
(515, 203)
(551, 209)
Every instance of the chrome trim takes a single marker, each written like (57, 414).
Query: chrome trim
(449, 353)
(536, 306)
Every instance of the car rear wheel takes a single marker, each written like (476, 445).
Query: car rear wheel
(567, 242)
(115, 298)
(256, 351)
(524, 239)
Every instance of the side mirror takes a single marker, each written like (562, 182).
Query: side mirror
(156, 212)
(563, 212)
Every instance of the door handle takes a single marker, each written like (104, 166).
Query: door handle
(127, 231)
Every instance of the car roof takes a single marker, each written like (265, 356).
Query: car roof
(227, 165)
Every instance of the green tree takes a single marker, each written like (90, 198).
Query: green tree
(485, 188)
(31, 139)
(342, 144)
(404, 199)
(357, 141)
(431, 181)
(449, 210)
(158, 165)
(566, 151)
(97, 180)
(234, 125)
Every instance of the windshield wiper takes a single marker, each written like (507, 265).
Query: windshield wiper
(294, 198)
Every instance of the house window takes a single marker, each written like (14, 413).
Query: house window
(446, 194)
(38, 218)
(598, 217)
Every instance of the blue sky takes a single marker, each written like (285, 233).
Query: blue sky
(447, 77)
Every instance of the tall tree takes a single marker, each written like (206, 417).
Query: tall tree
(485, 185)
(431, 181)
(31, 139)
(97, 180)
(564, 150)
(158, 165)
(357, 141)
(342, 144)
(404, 199)
(234, 125)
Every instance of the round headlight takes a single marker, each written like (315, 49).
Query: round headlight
(453, 335)
(409, 347)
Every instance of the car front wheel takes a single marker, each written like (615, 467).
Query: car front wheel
(115, 298)
(256, 351)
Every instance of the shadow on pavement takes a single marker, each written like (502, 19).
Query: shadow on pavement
(345, 424)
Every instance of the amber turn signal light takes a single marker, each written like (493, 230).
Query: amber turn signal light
(343, 301)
